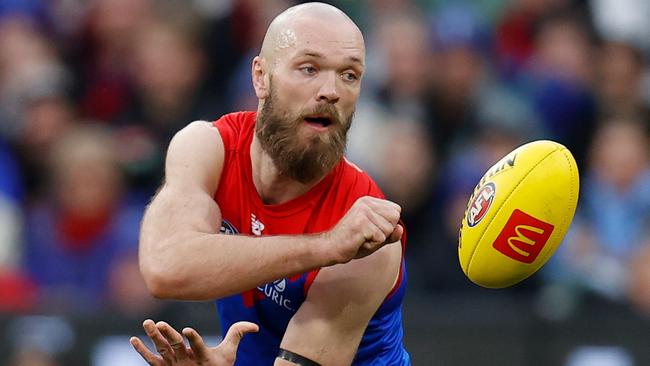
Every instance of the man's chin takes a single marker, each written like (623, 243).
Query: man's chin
(309, 133)
(316, 162)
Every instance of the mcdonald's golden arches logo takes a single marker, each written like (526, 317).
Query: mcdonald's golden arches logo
(523, 237)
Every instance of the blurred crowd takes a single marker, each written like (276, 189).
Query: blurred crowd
(91, 91)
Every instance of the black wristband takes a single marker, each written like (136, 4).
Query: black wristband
(296, 358)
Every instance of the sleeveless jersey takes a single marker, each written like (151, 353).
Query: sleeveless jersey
(272, 305)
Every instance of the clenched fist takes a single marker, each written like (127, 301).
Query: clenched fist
(368, 225)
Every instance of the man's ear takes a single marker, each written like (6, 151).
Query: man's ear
(260, 77)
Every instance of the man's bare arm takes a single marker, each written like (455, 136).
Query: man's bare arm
(183, 256)
(328, 327)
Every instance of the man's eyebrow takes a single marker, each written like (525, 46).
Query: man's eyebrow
(319, 55)
(311, 54)
(355, 60)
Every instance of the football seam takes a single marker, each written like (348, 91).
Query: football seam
(471, 257)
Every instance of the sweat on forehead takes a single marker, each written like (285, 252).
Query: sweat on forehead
(306, 21)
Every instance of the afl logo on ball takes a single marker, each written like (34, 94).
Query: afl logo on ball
(480, 205)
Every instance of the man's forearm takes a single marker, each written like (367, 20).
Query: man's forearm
(197, 266)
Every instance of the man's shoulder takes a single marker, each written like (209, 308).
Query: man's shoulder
(235, 127)
(240, 118)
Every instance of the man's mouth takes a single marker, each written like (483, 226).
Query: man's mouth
(318, 121)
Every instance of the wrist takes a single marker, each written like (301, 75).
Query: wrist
(321, 247)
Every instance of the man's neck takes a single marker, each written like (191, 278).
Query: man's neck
(272, 186)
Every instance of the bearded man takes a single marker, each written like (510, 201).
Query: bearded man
(261, 211)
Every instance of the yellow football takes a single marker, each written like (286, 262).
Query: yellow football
(518, 214)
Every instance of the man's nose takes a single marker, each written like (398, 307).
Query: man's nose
(327, 91)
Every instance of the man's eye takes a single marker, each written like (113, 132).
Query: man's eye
(350, 76)
(309, 70)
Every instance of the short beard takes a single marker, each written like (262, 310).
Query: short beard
(303, 161)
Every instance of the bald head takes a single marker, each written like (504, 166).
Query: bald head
(306, 23)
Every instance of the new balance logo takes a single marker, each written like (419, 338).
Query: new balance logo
(523, 237)
(256, 225)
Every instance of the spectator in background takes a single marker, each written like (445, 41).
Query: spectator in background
(611, 225)
(16, 291)
(127, 293)
(407, 65)
(399, 93)
(38, 341)
(48, 113)
(465, 94)
(515, 33)
(408, 174)
(83, 229)
(620, 78)
(10, 209)
(460, 77)
(102, 57)
(639, 280)
(32, 357)
(560, 82)
(34, 107)
(29, 65)
(166, 67)
(623, 21)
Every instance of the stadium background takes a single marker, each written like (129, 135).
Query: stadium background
(92, 90)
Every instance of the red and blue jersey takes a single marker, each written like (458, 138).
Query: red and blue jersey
(272, 305)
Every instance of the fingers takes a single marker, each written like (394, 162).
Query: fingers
(234, 335)
(368, 225)
(370, 247)
(162, 345)
(238, 330)
(198, 347)
(170, 346)
(382, 227)
(383, 218)
(390, 211)
(396, 234)
(150, 357)
(175, 340)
